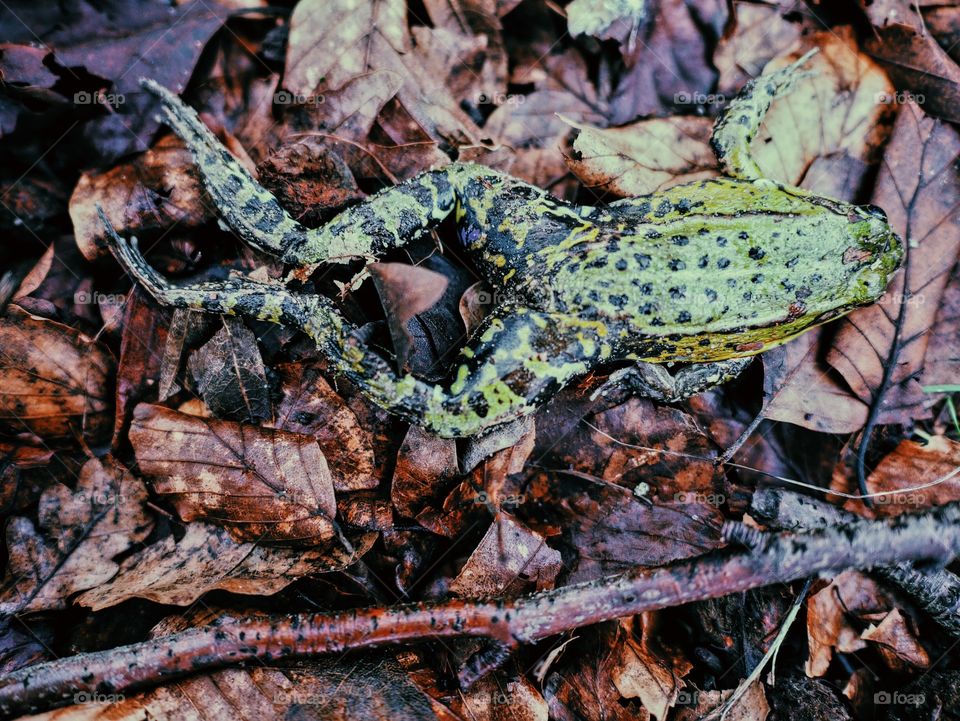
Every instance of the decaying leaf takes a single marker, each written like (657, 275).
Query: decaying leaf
(54, 381)
(207, 558)
(425, 465)
(262, 484)
(311, 407)
(919, 187)
(645, 156)
(510, 560)
(898, 641)
(78, 534)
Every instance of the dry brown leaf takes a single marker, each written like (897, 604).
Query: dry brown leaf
(425, 466)
(262, 484)
(78, 534)
(496, 699)
(206, 558)
(645, 669)
(913, 464)
(54, 381)
(898, 640)
(839, 110)
(154, 192)
(312, 408)
(643, 157)
(800, 389)
(511, 559)
(919, 188)
(332, 42)
(830, 612)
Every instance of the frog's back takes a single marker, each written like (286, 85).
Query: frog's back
(715, 268)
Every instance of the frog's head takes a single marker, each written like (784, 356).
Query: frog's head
(874, 254)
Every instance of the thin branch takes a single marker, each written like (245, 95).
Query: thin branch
(782, 559)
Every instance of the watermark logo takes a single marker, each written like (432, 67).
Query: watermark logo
(902, 498)
(899, 97)
(99, 98)
(91, 697)
(505, 501)
(83, 297)
(698, 98)
(688, 697)
(898, 698)
(708, 499)
(285, 97)
(501, 99)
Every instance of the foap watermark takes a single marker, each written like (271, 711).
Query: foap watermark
(92, 697)
(898, 698)
(85, 297)
(98, 97)
(285, 97)
(698, 98)
(688, 697)
(501, 99)
(698, 497)
(899, 97)
(901, 498)
(505, 501)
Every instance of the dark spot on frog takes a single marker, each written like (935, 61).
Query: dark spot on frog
(683, 317)
(599, 262)
(676, 293)
(677, 264)
(233, 184)
(613, 245)
(803, 292)
(645, 288)
(654, 234)
(647, 308)
(703, 262)
(743, 120)
(680, 240)
(758, 278)
(644, 207)
(757, 253)
(622, 264)
(675, 337)
(792, 262)
(731, 282)
(594, 296)
(478, 403)
(665, 207)
(723, 263)
(721, 241)
(578, 299)
(788, 285)
(684, 206)
(657, 322)
(816, 278)
(796, 310)
(704, 231)
(618, 301)
(573, 267)
(748, 296)
(704, 342)
(775, 234)
(643, 260)
(743, 235)
(711, 294)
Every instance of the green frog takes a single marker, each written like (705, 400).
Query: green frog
(706, 274)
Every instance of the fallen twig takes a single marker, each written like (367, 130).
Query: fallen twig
(936, 591)
(784, 558)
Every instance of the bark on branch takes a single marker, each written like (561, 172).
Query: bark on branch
(781, 559)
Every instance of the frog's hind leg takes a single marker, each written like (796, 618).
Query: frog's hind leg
(387, 220)
(740, 121)
(654, 381)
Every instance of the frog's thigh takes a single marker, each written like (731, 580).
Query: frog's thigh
(515, 362)
(739, 123)
(246, 206)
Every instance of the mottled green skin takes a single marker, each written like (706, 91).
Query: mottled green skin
(711, 271)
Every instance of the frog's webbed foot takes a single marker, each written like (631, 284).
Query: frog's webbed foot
(654, 381)
(739, 122)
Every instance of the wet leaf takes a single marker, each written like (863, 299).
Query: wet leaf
(262, 484)
(54, 381)
(78, 534)
(207, 558)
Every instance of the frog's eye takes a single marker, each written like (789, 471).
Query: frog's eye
(874, 212)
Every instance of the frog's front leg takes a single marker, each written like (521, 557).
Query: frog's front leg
(740, 121)
(654, 381)
(386, 220)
